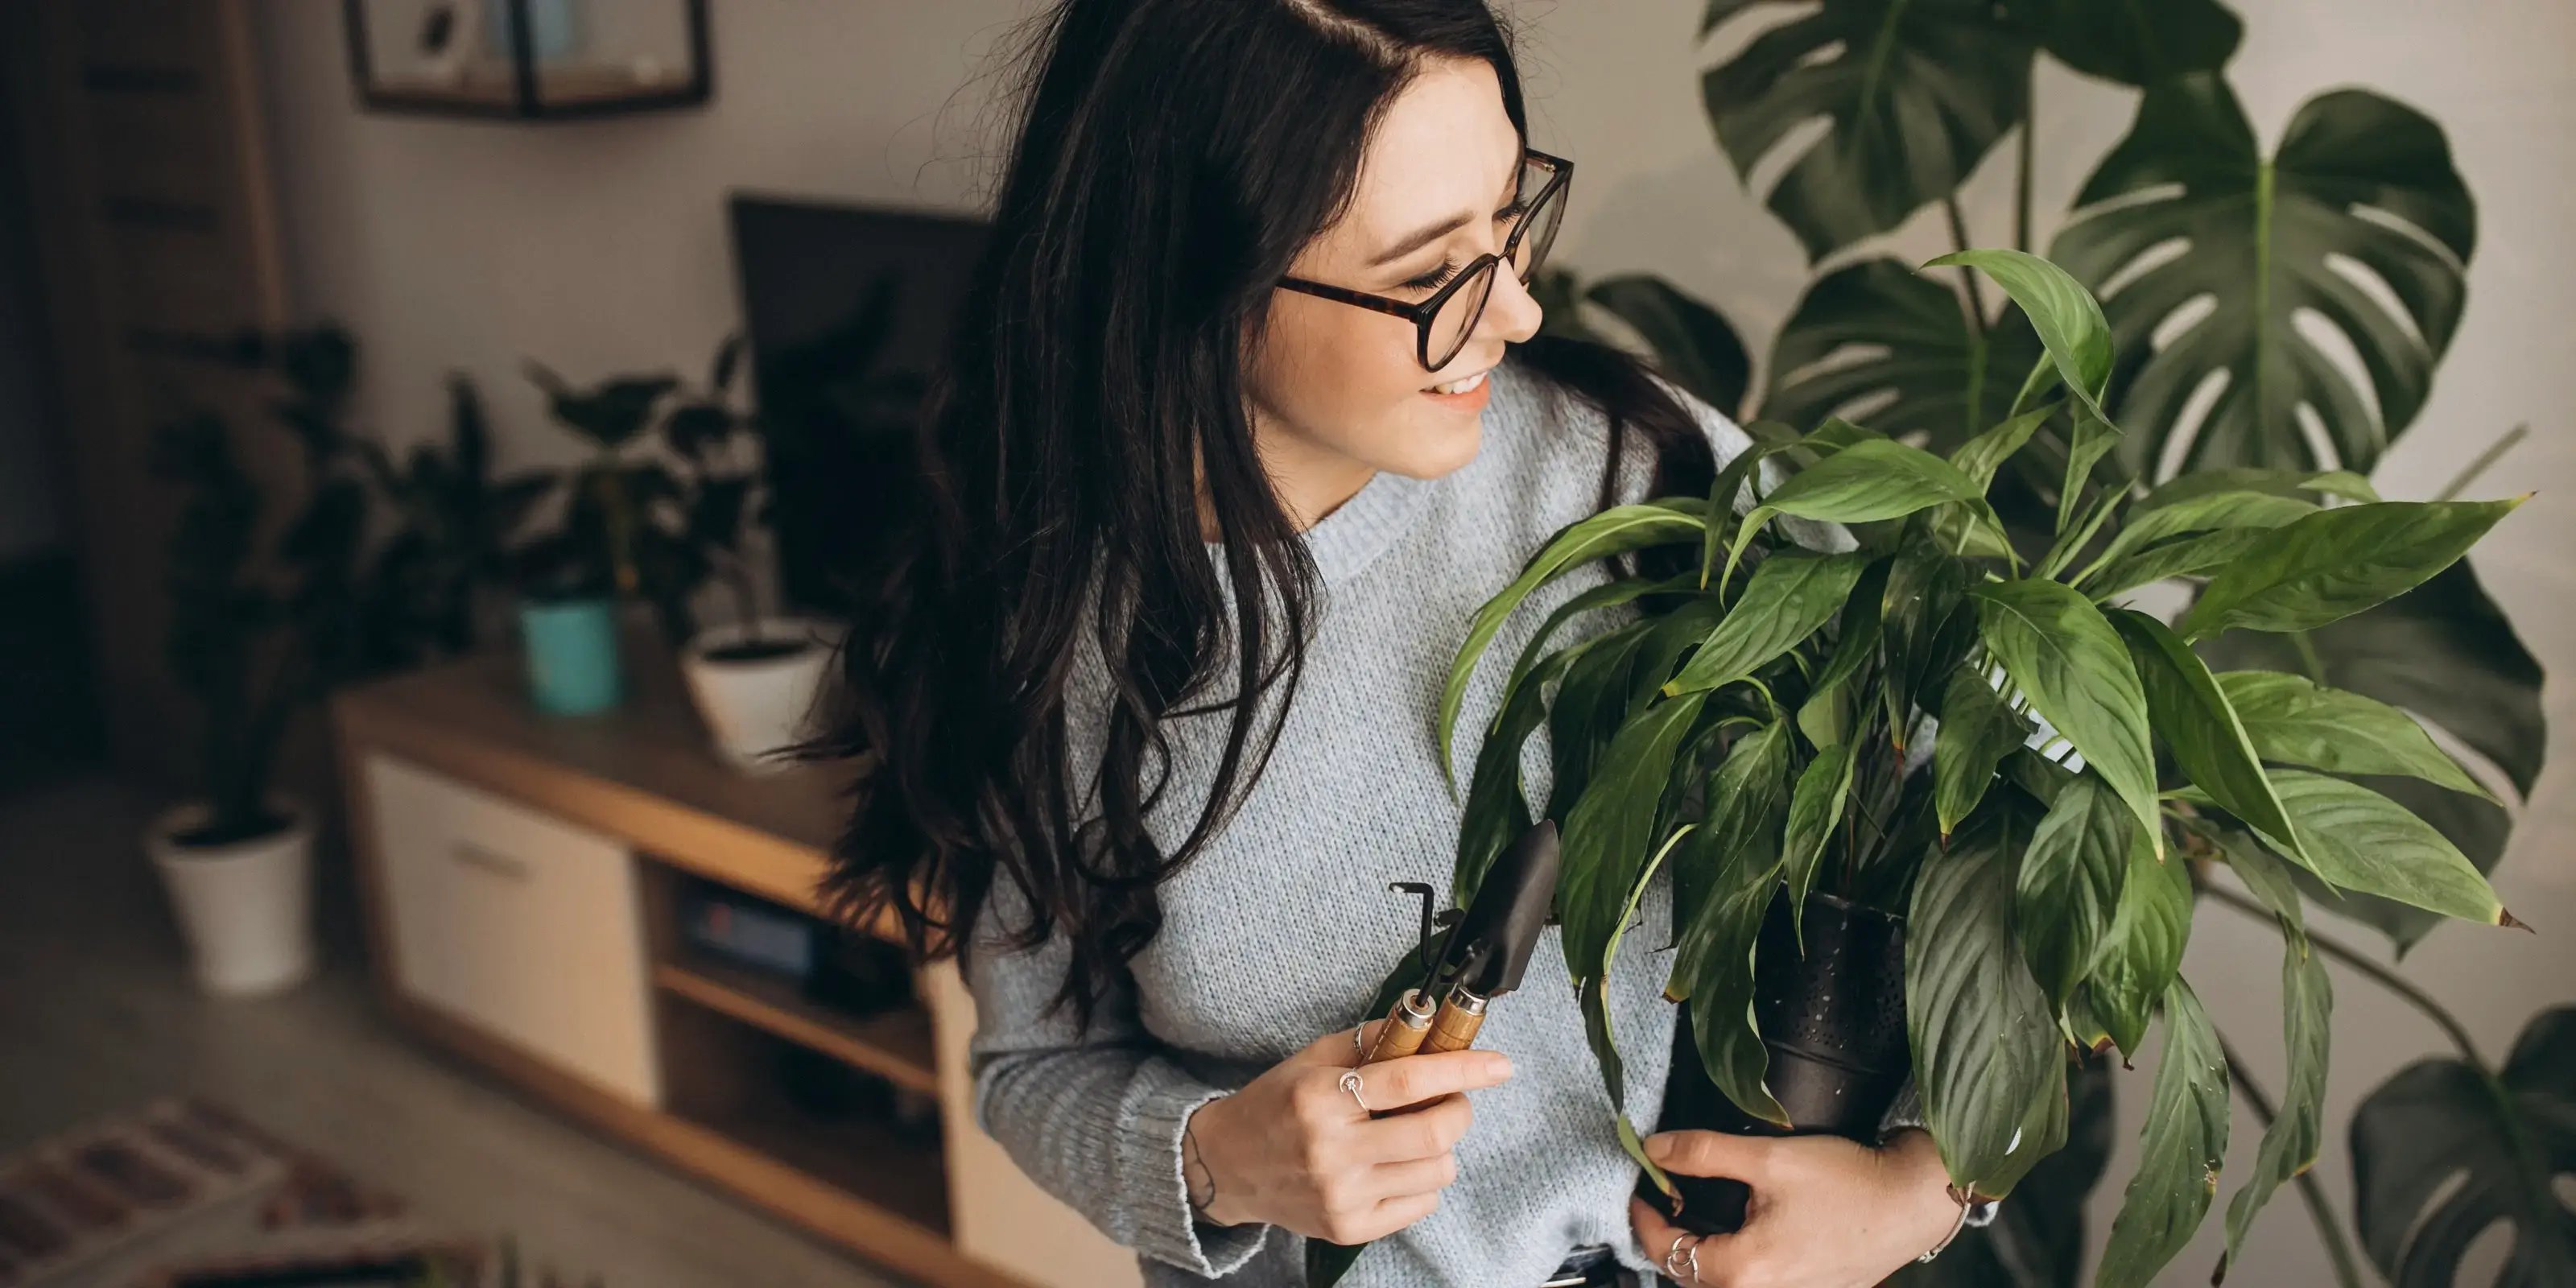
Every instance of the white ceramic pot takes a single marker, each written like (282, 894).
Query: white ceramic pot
(757, 705)
(246, 909)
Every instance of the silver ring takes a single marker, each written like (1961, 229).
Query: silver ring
(1351, 1084)
(1674, 1253)
(1355, 1038)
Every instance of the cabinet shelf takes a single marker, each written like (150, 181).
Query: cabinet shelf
(894, 1045)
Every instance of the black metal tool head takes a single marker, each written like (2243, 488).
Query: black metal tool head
(1510, 910)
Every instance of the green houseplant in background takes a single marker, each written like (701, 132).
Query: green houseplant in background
(605, 550)
(1751, 727)
(2192, 233)
(755, 676)
(376, 570)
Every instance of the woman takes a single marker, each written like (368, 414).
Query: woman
(1158, 811)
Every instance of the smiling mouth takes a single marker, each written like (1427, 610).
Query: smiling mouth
(1468, 385)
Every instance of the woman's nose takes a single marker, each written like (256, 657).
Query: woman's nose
(1513, 314)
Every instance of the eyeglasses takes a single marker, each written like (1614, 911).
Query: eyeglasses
(1446, 319)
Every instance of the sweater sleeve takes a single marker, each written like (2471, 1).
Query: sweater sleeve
(1095, 1118)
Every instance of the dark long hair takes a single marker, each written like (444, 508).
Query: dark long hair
(1173, 157)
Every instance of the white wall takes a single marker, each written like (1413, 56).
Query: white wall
(600, 246)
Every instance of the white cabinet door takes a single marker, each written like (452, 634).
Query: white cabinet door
(518, 923)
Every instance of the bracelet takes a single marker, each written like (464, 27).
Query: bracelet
(1961, 1198)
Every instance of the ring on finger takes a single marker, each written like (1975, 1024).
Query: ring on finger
(1676, 1265)
(1351, 1084)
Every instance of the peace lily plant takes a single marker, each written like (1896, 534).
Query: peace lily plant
(1760, 728)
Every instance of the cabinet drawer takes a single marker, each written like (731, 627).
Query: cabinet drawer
(519, 923)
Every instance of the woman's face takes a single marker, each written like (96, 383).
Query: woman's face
(1338, 392)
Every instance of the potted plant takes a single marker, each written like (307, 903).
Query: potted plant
(433, 589)
(605, 552)
(753, 677)
(1760, 727)
(259, 627)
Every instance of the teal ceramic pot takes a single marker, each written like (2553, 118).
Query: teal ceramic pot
(572, 655)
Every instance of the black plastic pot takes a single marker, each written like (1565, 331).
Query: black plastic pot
(1833, 1021)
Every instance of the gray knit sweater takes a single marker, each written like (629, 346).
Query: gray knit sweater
(1283, 927)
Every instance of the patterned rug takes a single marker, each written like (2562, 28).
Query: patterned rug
(186, 1194)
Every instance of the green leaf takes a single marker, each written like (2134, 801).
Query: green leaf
(1612, 532)
(1977, 731)
(2364, 841)
(1928, 628)
(2290, 1143)
(1590, 707)
(2058, 650)
(2443, 651)
(2192, 715)
(1692, 342)
(2069, 888)
(2269, 482)
(2070, 326)
(2138, 42)
(1721, 1002)
(1824, 786)
(2443, 1152)
(2359, 178)
(1866, 482)
(1916, 91)
(1791, 596)
(2190, 557)
(2038, 1239)
(1748, 798)
(2292, 719)
(2181, 1151)
(1735, 491)
(1609, 594)
(1828, 716)
(2335, 563)
(1984, 1048)
(1610, 831)
(1881, 335)
(1497, 808)
(2216, 510)
(1596, 1019)
(2138, 959)
(2094, 439)
(1980, 457)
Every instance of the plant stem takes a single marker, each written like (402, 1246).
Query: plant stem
(2024, 162)
(1976, 298)
(2378, 974)
(2308, 659)
(2479, 464)
(2329, 1229)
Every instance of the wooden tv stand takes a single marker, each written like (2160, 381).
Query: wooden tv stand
(519, 873)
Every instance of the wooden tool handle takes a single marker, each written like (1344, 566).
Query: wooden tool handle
(1454, 1028)
(1408, 1022)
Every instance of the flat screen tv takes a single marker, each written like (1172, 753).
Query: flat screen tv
(846, 311)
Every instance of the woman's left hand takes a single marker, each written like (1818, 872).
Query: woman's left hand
(1825, 1213)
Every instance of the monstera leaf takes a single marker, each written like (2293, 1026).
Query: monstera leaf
(2360, 181)
(2135, 42)
(1693, 343)
(2448, 655)
(1916, 90)
(2444, 1151)
(1881, 335)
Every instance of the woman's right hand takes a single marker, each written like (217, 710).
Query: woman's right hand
(1295, 1150)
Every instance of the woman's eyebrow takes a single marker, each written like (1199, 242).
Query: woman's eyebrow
(1426, 236)
(1421, 239)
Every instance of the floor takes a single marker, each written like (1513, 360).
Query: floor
(96, 1015)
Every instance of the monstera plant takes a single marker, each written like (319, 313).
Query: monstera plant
(1758, 726)
(2206, 250)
